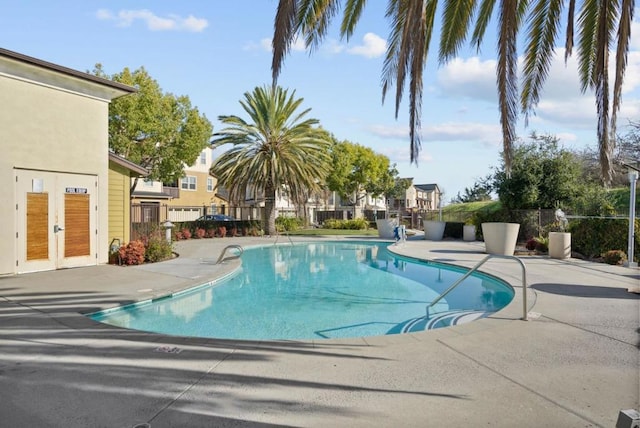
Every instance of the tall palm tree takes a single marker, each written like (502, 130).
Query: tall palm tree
(599, 23)
(275, 149)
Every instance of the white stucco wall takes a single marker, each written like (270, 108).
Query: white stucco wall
(47, 128)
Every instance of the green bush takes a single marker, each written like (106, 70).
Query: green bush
(158, 249)
(288, 224)
(355, 224)
(593, 237)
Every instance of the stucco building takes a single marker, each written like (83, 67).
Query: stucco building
(54, 165)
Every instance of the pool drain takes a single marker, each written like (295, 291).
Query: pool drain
(168, 349)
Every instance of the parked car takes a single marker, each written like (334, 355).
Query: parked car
(216, 217)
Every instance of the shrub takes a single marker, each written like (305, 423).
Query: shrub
(288, 223)
(592, 237)
(200, 233)
(614, 257)
(542, 244)
(186, 233)
(132, 253)
(531, 244)
(211, 233)
(355, 224)
(222, 231)
(158, 249)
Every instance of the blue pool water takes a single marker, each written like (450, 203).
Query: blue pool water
(319, 290)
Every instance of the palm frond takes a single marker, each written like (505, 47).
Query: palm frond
(568, 48)
(285, 28)
(588, 19)
(622, 50)
(456, 17)
(352, 12)
(314, 17)
(544, 25)
(485, 12)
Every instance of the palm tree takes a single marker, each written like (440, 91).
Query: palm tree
(599, 24)
(275, 149)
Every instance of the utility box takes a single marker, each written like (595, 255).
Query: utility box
(628, 419)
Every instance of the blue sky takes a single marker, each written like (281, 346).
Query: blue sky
(214, 51)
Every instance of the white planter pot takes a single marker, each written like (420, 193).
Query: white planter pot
(385, 227)
(500, 238)
(469, 232)
(434, 230)
(559, 245)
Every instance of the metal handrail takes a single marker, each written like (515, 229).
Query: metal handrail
(476, 267)
(278, 237)
(228, 247)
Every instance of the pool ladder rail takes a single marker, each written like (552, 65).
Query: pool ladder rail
(475, 268)
(233, 256)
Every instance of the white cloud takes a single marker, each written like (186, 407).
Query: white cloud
(400, 154)
(468, 78)
(447, 131)
(562, 102)
(373, 46)
(126, 18)
(266, 45)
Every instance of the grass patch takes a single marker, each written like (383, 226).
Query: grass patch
(341, 232)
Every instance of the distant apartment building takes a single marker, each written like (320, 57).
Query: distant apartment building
(421, 197)
(187, 199)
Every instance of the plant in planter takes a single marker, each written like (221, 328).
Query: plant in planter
(200, 233)
(434, 230)
(559, 240)
(500, 238)
(469, 231)
(222, 231)
(385, 227)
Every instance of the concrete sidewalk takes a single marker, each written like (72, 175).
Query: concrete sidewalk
(575, 363)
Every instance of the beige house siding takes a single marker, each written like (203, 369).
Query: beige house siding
(54, 139)
(119, 208)
(198, 197)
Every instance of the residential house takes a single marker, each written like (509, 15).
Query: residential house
(192, 196)
(428, 196)
(54, 137)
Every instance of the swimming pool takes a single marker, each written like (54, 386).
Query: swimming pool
(318, 291)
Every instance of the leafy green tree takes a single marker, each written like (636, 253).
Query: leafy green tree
(599, 25)
(161, 132)
(358, 171)
(542, 176)
(480, 191)
(275, 149)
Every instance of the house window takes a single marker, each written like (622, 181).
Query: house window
(148, 182)
(188, 183)
(203, 158)
(209, 184)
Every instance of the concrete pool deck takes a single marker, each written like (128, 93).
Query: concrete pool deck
(575, 363)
